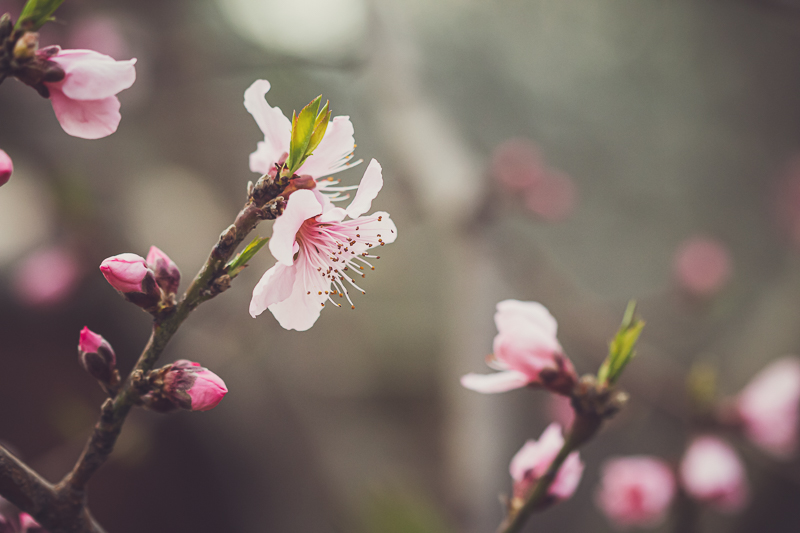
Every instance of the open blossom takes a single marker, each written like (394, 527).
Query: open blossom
(85, 101)
(526, 351)
(534, 458)
(6, 168)
(636, 491)
(712, 473)
(320, 253)
(768, 407)
(331, 156)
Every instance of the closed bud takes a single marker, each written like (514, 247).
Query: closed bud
(6, 167)
(167, 275)
(185, 385)
(96, 356)
(130, 275)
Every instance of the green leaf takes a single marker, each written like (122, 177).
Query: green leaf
(302, 129)
(622, 347)
(238, 263)
(320, 127)
(36, 13)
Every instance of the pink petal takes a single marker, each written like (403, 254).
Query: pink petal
(301, 206)
(333, 153)
(368, 189)
(568, 477)
(87, 119)
(332, 214)
(498, 382)
(301, 310)
(636, 491)
(91, 75)
(513, 315)
(207, 391)
(712, 472)
(275, 286)
(536, 456)
(273, 123)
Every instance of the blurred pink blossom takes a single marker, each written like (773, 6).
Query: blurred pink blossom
(553, 198)
(559, 409)
(702, 266)
(331, 156)
(768, 407)
(319, 253)
(712, 473)
(517, 164)
(126, 272)
(46, 276)
(526, 351)
(85, 101)
(6, 168)
(534, 458)
(636, 491)
(203, 388)
(102, 33)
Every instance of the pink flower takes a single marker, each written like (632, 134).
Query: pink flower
(636, 491)
(559, 409)
(6, 168)
(318, 251)
(191, 386)
(768, 407)
(126, 272)
(702, 266)
(534, 458)
(331, 156)
(96, 355)
(85, 101)
(46, 276)
(517, 165)
(166, 271)
(553, 198)
(712, 473)
(526, 351)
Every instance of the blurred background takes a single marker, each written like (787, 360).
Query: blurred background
(574, 153)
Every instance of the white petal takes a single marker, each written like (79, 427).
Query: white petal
(276, 127)
(273, 287)
(498, 382)
(87, 119)
(301, 206)
(334, 150)
(301, 310)
(91, 75)
(368, 189)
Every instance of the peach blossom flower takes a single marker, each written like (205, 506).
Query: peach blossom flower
(46, 276)
(636, 491)
(712, 473)
(702, 266)
(319, 253)
(526, 351)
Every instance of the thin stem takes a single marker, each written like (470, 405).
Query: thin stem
(584, 428)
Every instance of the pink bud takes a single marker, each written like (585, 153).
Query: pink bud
(768, 407)
(702, 266)
(96, 355)
(534, 458)
(166, 271)
(636, 491)
(28, 525)
(190, 386)
(126, 272)
(712, 473)
(6, 168)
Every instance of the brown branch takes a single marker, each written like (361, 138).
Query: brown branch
(62, 508)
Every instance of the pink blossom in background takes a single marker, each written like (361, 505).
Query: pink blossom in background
(534, 458)
(203, 388)
(46, 277)
(125, 272)
(85, 101)
(101, 33)
(768, 407)
(517, 164)
(553, 198)
(6, 168)
(712, 473)
(526, 351)
(331, 156)
(702, 266)
(636, 491)
(559, 409)
(320, 253)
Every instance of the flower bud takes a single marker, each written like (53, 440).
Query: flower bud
(6, 168)
(166, 271)
(28, 525)
(186, 385)
(96, 356)
(130, 275)
(712, 473)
